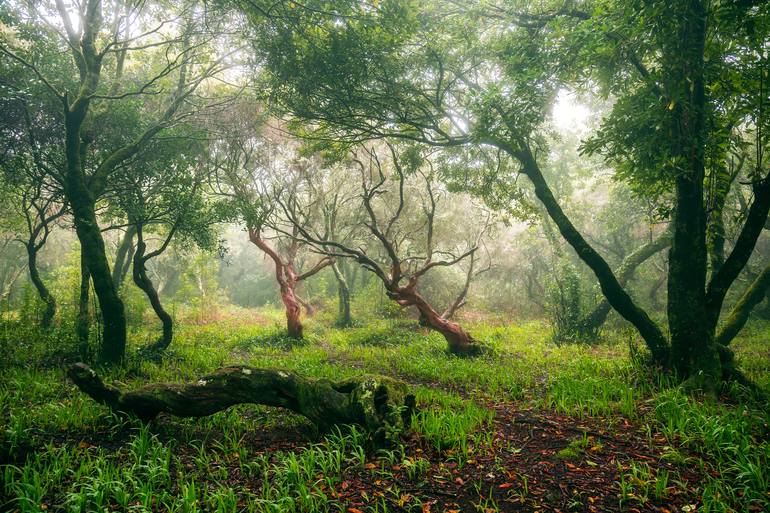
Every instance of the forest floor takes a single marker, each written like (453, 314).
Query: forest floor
(530, 427)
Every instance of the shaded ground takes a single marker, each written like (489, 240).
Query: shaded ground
(527, 460)
(526, 468)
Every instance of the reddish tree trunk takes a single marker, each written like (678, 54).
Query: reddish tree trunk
(293, 310)
(459, 341)
(287, 279)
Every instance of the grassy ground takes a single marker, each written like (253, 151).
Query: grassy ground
(531, 427)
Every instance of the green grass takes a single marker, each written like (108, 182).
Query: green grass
(65, 452)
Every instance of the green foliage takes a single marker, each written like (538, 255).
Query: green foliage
(186, 463)
(565, 304)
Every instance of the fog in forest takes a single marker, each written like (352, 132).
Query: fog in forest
(344, 255)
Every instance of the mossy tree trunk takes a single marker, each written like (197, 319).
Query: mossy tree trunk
(49, 301)
(143, 281)
(123, 257)
(381, 405)
(83, 322)
(92, 247)
(739, 315)
(343, 294)
(79, 190)
(595, 319)
(40, 214)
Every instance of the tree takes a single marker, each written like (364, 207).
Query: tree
(407, 252)
(40, 214)
(98, 92)
(34, 200)
(38, 203)
(442, 80)
(124, 254)
(163, 192)
(254, 171)
(381, 405)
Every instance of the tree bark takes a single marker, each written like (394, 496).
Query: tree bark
(382, 405)
(693, 350)
(83, 206)
(92, 247)
(595, 319)
(751, 297)
(123, 257)
(343, 294)
(83, 323)
(144, 283)
(459, 342)
(293, 310)
(45, 295)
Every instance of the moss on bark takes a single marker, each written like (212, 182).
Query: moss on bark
(381, 405)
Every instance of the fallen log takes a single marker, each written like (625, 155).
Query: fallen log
(381, 405)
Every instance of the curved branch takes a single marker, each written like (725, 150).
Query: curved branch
(325, 262)
(751, 297)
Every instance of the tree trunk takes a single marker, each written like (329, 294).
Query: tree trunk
(751, 297)
(123, 257)
(83, 206)
(145, 284)
(380, 404)
(614, 292)
(459, 342)
(287, 281)
(45, 295)
(694, 354)
(293, 310)
(83, 323)
(343, 294)
(113, 348)
(595, 319)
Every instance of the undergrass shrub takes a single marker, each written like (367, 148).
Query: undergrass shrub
(448, 422)
(732, 438)
(25, 344)
(382, 334)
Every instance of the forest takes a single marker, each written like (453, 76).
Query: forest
(368, 256)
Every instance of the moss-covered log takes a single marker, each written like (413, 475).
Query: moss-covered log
(381, 405)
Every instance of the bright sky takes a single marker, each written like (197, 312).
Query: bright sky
(569, 114)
